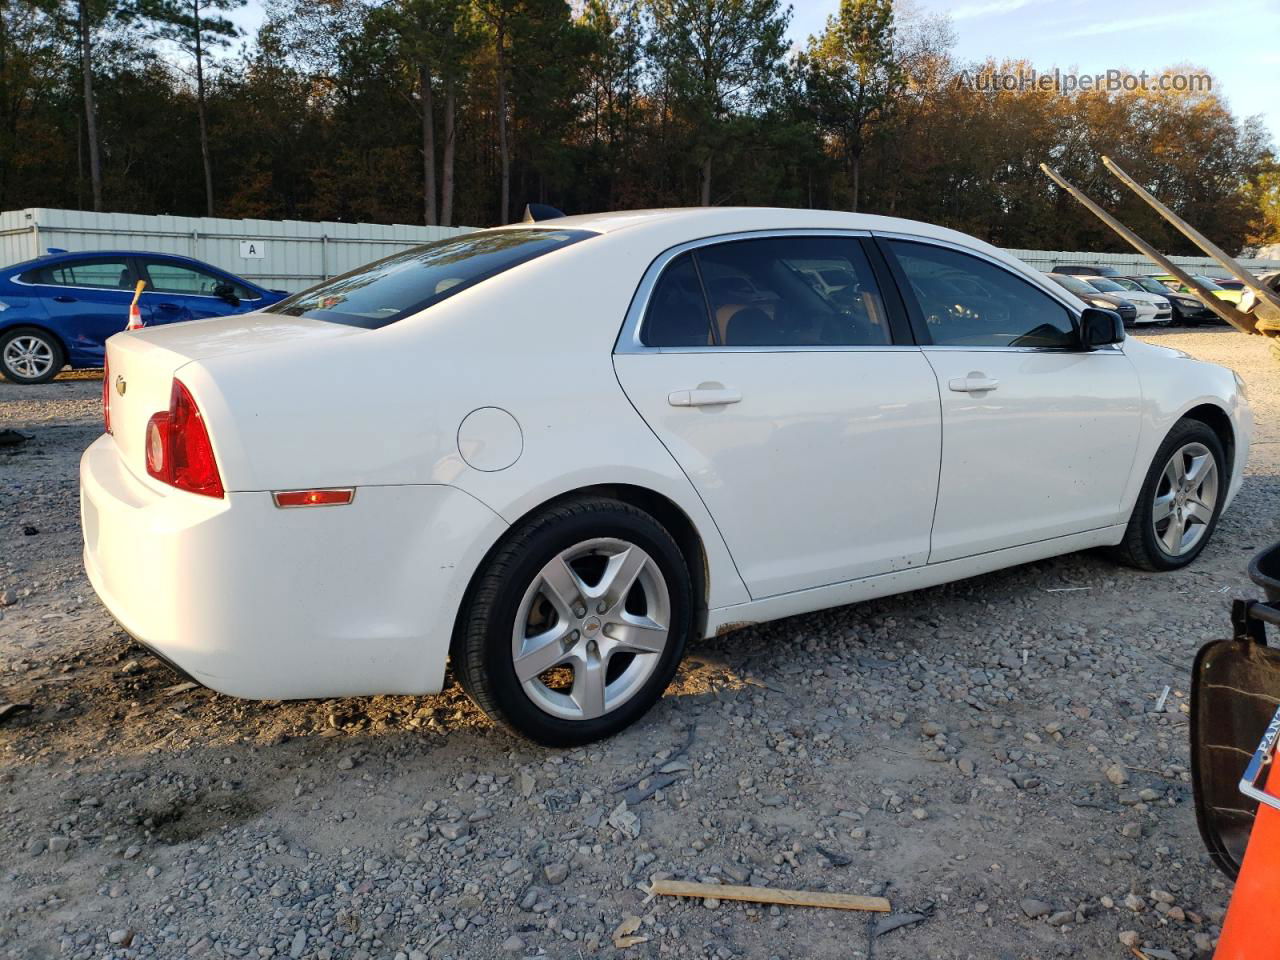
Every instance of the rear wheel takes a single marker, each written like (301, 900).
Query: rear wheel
(577, 623)
(1180, 500)
(30, 355)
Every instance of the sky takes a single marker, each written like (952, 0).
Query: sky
(1093, 36)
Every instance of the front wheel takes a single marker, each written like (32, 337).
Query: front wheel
(577, 623)
(1180, 500)
(30, 355)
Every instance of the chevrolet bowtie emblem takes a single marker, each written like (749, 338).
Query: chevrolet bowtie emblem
(121, 386)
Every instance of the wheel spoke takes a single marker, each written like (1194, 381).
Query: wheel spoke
(637, 634)
(588, 685)
(1174, 471)
(1162, 507)
(1201, 467)
(1172, 537)
(620, 576)
(1199, 512)
(540, 654)
(562, 586)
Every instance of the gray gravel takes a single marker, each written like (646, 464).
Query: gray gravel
(987, 754)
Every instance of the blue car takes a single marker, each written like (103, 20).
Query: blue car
(59, 309)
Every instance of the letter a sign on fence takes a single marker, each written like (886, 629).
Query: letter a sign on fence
(253, 249)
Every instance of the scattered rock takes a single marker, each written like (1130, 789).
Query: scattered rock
(1035, 908)
(455, 829)
(624, 821)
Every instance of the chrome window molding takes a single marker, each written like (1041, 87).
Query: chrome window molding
(67, 286)
(629, 339)
(995, 348)
(125, 290)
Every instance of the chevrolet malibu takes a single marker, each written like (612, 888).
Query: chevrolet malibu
(552, 453)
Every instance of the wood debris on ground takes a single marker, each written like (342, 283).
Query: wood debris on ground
(775, 895)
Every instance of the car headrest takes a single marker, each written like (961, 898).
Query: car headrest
(751, 327)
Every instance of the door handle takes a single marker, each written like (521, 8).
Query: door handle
(64, 299)
(169, 306)
(704, 397)
(973, 383)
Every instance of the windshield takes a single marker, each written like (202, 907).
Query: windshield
(1105, 285)
(1151, 285)
(387, 290)
(1078, 287)
(1206, 282)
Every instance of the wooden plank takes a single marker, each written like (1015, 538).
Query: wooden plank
(790, 898)
(1240, 321)
(1263, 292)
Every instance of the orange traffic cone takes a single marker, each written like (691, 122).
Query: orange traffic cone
(1252, 926)
(135, 314)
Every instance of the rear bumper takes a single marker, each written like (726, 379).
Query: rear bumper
(259, 602)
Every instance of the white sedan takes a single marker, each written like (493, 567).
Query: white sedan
(554, 452)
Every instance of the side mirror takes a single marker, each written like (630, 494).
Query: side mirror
(1235, 689)
(1100, 327)
(228, 293)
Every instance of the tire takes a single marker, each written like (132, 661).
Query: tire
(30, 355)
(1153, 544)
(603, 544)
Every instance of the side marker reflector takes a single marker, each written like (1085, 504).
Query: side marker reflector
(313, 498)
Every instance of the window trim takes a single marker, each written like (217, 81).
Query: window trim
(916, 314)
(629, 341)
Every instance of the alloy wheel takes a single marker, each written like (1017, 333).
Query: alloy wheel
(28, 356)
(1185, 499)
(591, 628)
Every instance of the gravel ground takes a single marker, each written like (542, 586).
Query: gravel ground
(989, 755)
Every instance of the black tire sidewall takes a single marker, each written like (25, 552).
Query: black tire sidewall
(1184, 432)
(59, 356)
(545, 543)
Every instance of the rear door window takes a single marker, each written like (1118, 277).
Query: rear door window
(403, 284)
(790, 291)
(109, 274)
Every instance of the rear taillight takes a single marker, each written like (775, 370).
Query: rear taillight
(178, 449)
(106, 395)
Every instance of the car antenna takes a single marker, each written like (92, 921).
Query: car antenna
(534, 212)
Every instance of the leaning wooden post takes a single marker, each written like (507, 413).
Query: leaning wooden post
(1240, 321)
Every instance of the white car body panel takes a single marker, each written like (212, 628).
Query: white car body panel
(1037, 457)
(258, 601)
(866, 458)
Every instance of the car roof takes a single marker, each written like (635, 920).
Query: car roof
(746, 219)
(47, 258)
(673, 225)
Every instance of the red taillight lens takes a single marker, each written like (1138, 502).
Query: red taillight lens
(106, 395)
(178, 449)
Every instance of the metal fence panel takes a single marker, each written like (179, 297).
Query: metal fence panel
(285, 254)
(1047, 259)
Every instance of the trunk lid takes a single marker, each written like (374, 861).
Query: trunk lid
(141, 365)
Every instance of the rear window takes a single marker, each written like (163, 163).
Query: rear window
(402, 284)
